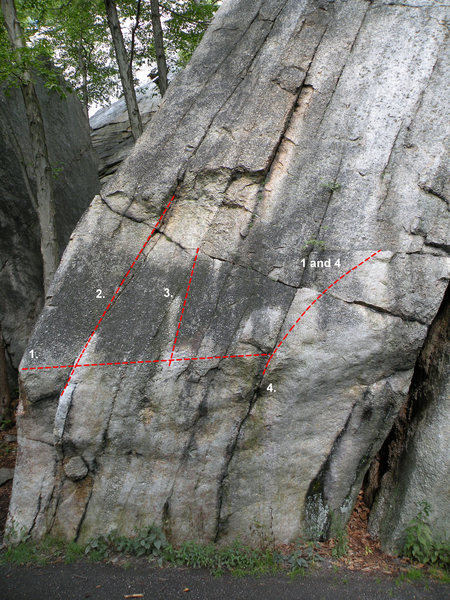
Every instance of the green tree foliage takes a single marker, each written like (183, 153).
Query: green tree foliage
(34, 57)
(186, 21)
(78, 34)
(73, 35)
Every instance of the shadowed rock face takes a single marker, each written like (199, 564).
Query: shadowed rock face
(76, 183)
(301, 131)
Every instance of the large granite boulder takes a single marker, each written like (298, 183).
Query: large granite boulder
(304, 146)
(111, 131)
(76, 183)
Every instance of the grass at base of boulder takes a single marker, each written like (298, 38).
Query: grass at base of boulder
(150, 543)
(44, 552)
(237, 559)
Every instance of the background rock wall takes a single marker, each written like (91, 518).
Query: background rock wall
(300, 131)
(76, 183)
(111, 131)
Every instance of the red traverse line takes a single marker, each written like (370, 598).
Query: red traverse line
(77, 365)
(313, 302)
(115, 295)
(184, 306)
(141, 362)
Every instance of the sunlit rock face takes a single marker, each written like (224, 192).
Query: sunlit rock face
(111, 131)
(302, 138)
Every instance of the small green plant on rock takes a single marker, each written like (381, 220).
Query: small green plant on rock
(319, 244)
(333, 186)
(419, 543)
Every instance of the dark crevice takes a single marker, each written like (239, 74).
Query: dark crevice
(83, 516)
(201, 413)
(429, 190)
(429, 372)
(385, 311)
(441, 246)
(37, 512)
(229, 453)
(379, 309)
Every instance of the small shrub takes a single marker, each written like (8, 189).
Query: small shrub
(419, 543)
(237, 559)
(6, 424)
(73, 553)
(340, 548)
(149, 541)
(303, 557)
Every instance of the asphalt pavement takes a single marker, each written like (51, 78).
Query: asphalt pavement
(96, 581)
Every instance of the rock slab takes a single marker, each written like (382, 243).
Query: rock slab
(303, 137)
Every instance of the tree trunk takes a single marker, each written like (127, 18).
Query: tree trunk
(84, 88)
(5, 396)
(159, 47)
(41, 163)
(125, 70)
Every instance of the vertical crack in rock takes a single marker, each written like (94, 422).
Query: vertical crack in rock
(201, 413)
(345, 64)
(229, 453)
(236, 87)
(399, 139)
(38, 509)
(83, 516)
(296, 104)
(62, 413)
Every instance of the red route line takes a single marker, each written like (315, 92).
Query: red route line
(141, 362)
(115, 294)
(313, 302)
(171, 359)
(184, 306)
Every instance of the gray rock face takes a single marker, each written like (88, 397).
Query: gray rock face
(303, 137)
(76, 182)
(111, 132)
(75, 468)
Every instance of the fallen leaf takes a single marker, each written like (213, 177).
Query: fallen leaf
(186, 590)
(134, 596)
